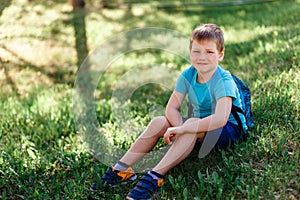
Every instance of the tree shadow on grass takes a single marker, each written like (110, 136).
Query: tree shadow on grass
(268, 61)
(54, 72)
(56, 75)
(4, 4)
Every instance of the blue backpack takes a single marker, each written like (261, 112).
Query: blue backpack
(245, 96)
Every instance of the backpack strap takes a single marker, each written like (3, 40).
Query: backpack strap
(234, 111)
(190, 109)
(189, 82)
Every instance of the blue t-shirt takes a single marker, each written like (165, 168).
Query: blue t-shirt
(204, 97)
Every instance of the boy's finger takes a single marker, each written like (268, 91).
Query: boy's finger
(172, 136)
(167, 139)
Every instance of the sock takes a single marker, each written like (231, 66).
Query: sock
(120, 166)
(155, 175)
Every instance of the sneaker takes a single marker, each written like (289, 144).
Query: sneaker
(146, 188)
(115, 177)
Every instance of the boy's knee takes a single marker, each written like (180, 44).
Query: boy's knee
(157, 127)
(160, 121)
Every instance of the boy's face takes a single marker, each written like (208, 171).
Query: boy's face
(205, 56)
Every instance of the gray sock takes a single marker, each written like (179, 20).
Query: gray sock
(155, 175)
(120, 166)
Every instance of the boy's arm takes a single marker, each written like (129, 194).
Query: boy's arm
(172, 109)
(212, 122)
(196, 125)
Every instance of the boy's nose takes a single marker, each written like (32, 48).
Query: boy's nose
(201, 55)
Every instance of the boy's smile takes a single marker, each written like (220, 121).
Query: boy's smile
(205, 58)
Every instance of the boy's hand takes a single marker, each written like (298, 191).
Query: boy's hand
(170, 134)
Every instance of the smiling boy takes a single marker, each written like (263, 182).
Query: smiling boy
(212, 92)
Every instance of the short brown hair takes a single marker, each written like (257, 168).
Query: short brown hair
(208, 32)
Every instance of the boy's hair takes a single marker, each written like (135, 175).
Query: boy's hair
(208, 32)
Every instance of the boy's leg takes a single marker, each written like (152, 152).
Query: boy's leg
(146, 141)
(229, 134)
(180, 149)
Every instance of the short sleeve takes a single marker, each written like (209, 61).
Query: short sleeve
(225, 88)
(184, 80)
(181, 84)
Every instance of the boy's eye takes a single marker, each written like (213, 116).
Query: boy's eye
(210, 52)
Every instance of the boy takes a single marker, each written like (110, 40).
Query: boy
(212, 92)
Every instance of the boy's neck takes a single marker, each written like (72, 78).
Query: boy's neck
(205, 77)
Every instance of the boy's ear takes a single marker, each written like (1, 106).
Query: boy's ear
(221, 55)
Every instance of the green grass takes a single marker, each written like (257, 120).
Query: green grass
(42, 45)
